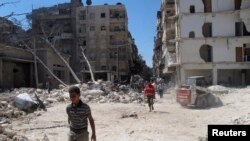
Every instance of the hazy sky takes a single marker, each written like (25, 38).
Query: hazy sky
(141, 18)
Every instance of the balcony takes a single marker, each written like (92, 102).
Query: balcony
(170, 47)
(171, 59)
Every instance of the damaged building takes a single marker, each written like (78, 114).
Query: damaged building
(16, 64)
(211, 38)
(102, 31)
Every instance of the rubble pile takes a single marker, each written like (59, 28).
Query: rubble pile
(10, 135)
(218, 89)
(95, 93)
(243, 120)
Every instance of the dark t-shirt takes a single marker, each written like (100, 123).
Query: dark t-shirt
(78, 116)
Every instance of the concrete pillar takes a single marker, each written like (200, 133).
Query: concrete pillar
(108, 76)
(1, 73)
(215, 76)
(183, 81)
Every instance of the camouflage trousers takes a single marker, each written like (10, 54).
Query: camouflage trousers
(84, 136)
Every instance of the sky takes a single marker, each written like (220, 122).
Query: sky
(141, 18)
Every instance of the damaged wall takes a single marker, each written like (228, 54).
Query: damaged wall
(222, 24)
(185, 6)
(223, 50)
(244, 16)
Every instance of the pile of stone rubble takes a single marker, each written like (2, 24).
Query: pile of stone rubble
(23, 101)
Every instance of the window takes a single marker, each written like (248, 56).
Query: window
(59, 74)
(92, 16)
(191, 34)
(240, 29)
(207, 6)
(206, 53)
(84, 43)
(192, 9)
(103, 67)
(82, 15)
(207, 30)
(114, 68)
(103, 28)
(92, 28)
(103, 15)
(237, 4)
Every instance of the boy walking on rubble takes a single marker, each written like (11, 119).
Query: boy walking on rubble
(78, 113)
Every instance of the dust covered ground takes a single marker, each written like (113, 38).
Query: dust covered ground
(169, 121)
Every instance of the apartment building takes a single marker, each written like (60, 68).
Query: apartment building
(211, 39)
(102, 31)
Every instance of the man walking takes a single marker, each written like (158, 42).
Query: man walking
(149, 91)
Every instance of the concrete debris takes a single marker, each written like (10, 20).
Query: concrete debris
(243, 120)
(133, 115)
(9, 133)
(3, 137)
(45, 138)
(218, 89)
(202, 138)
(19, 138)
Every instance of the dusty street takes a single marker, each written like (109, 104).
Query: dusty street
(169, 121)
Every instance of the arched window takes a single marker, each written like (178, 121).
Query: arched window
(206, 53)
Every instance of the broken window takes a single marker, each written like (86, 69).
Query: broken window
(237, 4)
(206, 53)
(240, 29)
(207, 30)
(207, 6)
(192, 9)
(191, 34)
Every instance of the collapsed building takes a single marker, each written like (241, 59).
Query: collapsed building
(204, 37)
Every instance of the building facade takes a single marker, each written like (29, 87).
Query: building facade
(16, 67)
(211, 39)
(101, 31)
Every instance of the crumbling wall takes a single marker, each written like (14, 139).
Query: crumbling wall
(244, 16)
